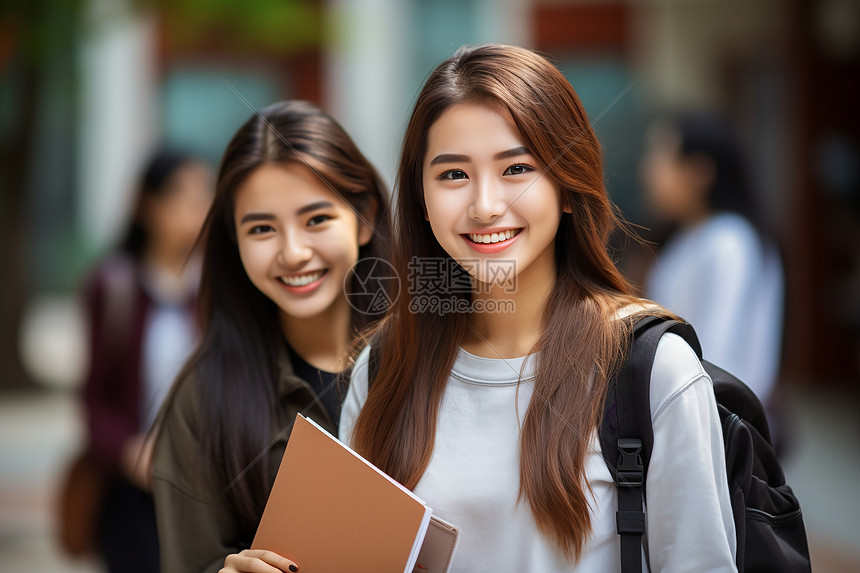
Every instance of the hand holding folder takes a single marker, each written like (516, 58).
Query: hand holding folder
(330, 510)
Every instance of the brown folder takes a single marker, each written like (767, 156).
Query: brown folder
(330, 510)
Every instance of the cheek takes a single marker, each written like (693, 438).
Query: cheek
(664, 180)
(191, 222)
(672, 197)
(256, 257)
(428, 198)
(158, 219)
(439, 215)
(546, 205)
(339, 247)
(444, 209)
(198, 211)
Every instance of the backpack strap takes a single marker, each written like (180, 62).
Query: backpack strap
(626, 432)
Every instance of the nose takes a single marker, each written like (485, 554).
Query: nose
(295, 249)
(488, 202)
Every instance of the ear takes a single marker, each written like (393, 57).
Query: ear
(367, 222)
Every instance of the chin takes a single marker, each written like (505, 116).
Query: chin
(303, 313)
(302, 309)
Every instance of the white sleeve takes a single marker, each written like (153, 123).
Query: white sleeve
(690, 526)
(727, 303)
(355, 397)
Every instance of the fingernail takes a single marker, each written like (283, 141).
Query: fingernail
(293, 568)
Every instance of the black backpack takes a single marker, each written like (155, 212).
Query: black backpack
(768, 521)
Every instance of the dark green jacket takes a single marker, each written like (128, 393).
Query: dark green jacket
(197, 526)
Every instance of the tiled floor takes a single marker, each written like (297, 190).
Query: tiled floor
(39, 431)
(38, 434)
(823, 468)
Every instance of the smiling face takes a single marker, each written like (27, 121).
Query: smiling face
(484, 193)
(297, 239)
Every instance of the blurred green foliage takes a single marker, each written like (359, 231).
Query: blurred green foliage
(30, 27)
(271, 26)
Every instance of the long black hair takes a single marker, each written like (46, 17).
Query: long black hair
(235, 366)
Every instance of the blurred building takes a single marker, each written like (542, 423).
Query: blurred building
(127, 75)
(89, 87)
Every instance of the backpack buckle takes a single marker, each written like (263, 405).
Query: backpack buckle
(629, 468)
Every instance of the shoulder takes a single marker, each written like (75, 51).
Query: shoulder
(356, 396)
(116, 273)
(359, 376)
(730, 224)
(730, 234)
(114, 268)
(630, 308)
(676, 370)
(676, 366)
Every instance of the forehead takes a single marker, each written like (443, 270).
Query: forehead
(475, 128)
(283, 186)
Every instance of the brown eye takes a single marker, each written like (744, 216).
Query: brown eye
(318, 219)
(454, 174)
(518, 169)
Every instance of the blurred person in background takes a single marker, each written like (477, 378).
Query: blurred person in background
(719, 269)
(140, 306)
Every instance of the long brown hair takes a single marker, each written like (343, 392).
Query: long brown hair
(235, 366)
(580, 345)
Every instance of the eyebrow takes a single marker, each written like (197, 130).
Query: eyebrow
(515, 152)
(314, 206)
(256, 217)
(249, 217)
(455, 158)
(449, 158)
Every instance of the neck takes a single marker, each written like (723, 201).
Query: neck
(323, 341)
(516, 323)
(167, 275)
(696, 216)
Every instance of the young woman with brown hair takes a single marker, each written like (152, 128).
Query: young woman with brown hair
(296, 207)
(486, 400)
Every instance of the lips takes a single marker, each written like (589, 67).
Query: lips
(302, 279)
(492, 241)
(494, 237)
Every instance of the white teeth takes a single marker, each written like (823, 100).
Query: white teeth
(301, 280)
(493, 237)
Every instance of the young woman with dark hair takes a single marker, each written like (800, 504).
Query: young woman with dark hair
(296, 206)
(140, 305)
(488, 407)
(720, 269)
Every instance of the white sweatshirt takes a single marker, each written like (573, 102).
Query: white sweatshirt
(472, 479)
